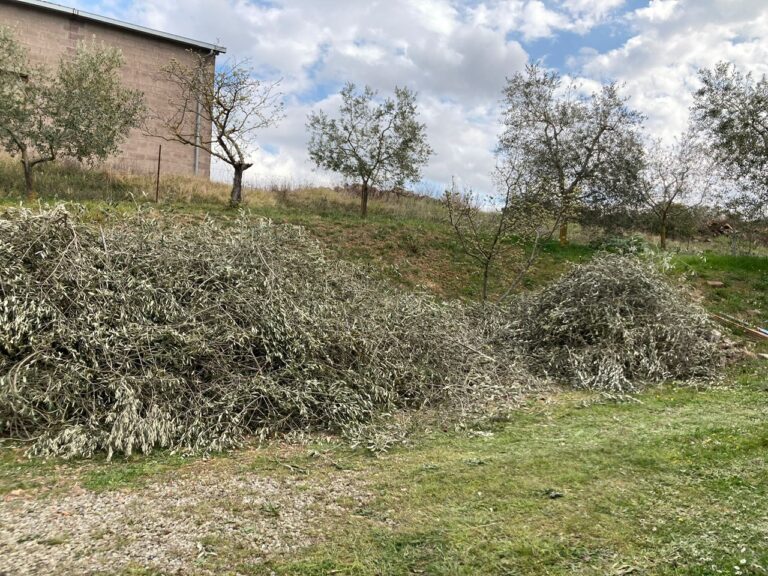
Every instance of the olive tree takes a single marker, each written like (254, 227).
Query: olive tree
(229, 99)
(81, 110)
(581, 148)
(376, 143)
(731, 110)
(673, 177)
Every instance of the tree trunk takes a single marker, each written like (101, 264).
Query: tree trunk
(29, 182)
(237, 184)
(663, 233)
(364, 200)
(563, 233)
(486, 273)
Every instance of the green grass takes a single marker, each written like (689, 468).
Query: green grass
(18, 473)
(21, 474)
(69, 182)
(131, 472)
(745, 279)
(671, 484)
(409, 240)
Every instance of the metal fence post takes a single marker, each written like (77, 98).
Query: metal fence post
(157, 182)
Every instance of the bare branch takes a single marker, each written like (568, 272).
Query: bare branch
(230, 101)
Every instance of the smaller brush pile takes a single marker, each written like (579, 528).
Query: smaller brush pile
(157, 333)
(613, 325)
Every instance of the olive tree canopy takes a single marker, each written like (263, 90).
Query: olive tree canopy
(674, 177)
(731, 111)
(501, 229)
(378, 144)
(580, 148)
(80, 111)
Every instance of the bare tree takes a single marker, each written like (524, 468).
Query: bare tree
(579, 148)
(81, 110)
(378, 144)
(502, 225)
(674, 176)
(229, 99)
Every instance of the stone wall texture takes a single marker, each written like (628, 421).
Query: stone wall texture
(50, 35)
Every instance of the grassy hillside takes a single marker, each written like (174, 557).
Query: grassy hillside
(408, 240)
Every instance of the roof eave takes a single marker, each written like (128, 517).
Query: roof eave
(124, 25)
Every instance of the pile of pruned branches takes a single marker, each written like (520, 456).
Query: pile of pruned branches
(612, 325)
(150, 333)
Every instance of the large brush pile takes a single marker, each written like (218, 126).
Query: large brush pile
(151, 334)
(612, 325)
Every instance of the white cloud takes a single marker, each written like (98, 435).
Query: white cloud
(586, 14)
(657, 11)
(538, 21)
(533, 19)
(672, 40)
(448, 53)
(456, 55)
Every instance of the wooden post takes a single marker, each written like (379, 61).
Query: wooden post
(157, 182)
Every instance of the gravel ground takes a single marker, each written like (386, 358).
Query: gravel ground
(172, 526)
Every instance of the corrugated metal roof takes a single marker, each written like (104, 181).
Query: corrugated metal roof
(119, 24)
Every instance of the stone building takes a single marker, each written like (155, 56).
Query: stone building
(50, 31)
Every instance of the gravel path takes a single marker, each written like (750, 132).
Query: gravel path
(172, 526)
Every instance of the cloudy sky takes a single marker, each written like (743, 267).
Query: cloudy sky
(456, 55)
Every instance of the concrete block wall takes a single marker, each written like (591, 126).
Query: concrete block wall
(50, 35)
